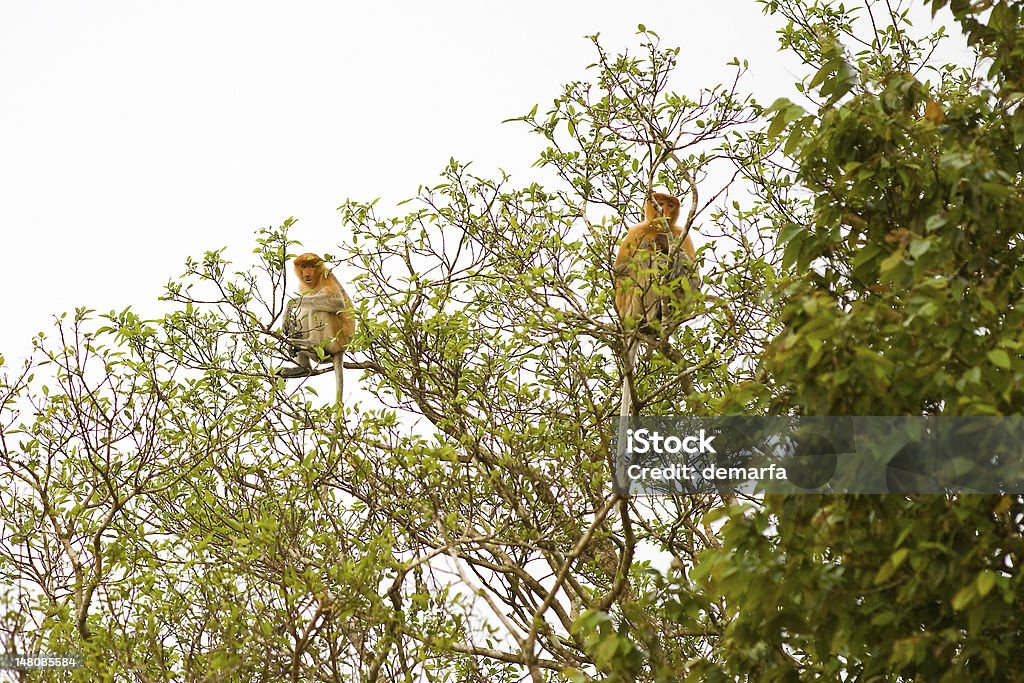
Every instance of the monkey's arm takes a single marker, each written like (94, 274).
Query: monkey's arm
(688, 248)
(683, 262)
(324, 304)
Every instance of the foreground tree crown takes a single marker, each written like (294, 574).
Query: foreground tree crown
(174, 511)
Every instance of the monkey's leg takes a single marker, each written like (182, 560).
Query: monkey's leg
(304, 369)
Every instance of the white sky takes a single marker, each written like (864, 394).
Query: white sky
(135, 133)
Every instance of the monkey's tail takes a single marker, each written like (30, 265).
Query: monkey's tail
(621, 484)
(339, 376)
(627, 375)
(338, 359)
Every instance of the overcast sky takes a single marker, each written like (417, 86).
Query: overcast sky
(136, 133)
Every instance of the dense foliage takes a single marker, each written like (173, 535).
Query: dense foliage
(912, 271)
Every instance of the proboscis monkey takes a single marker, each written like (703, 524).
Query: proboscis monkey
(653, 267)
(649, 268)
(320, 319)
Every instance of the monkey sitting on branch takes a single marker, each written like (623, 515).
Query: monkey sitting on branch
(655, 270)
(319, 323)
(653, 260)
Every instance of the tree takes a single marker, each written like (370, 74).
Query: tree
(909, 251)
(177, 512)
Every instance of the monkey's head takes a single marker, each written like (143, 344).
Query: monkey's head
(662, 206)
(667, 206)
(310, 269)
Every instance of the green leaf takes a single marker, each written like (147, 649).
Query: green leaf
(935, 222)
(891, 261)
(891, 565)
(986, 580)
(787, 113)
(999, 358)
(964, 597)
(899, 556)
(919, 247)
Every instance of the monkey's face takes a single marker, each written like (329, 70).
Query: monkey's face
(665, 206)
(668, 206)
(309, 275)
(309, 268)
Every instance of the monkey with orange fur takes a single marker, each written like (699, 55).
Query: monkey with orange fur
(648, 261)
(649, 269)
(320, 319)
